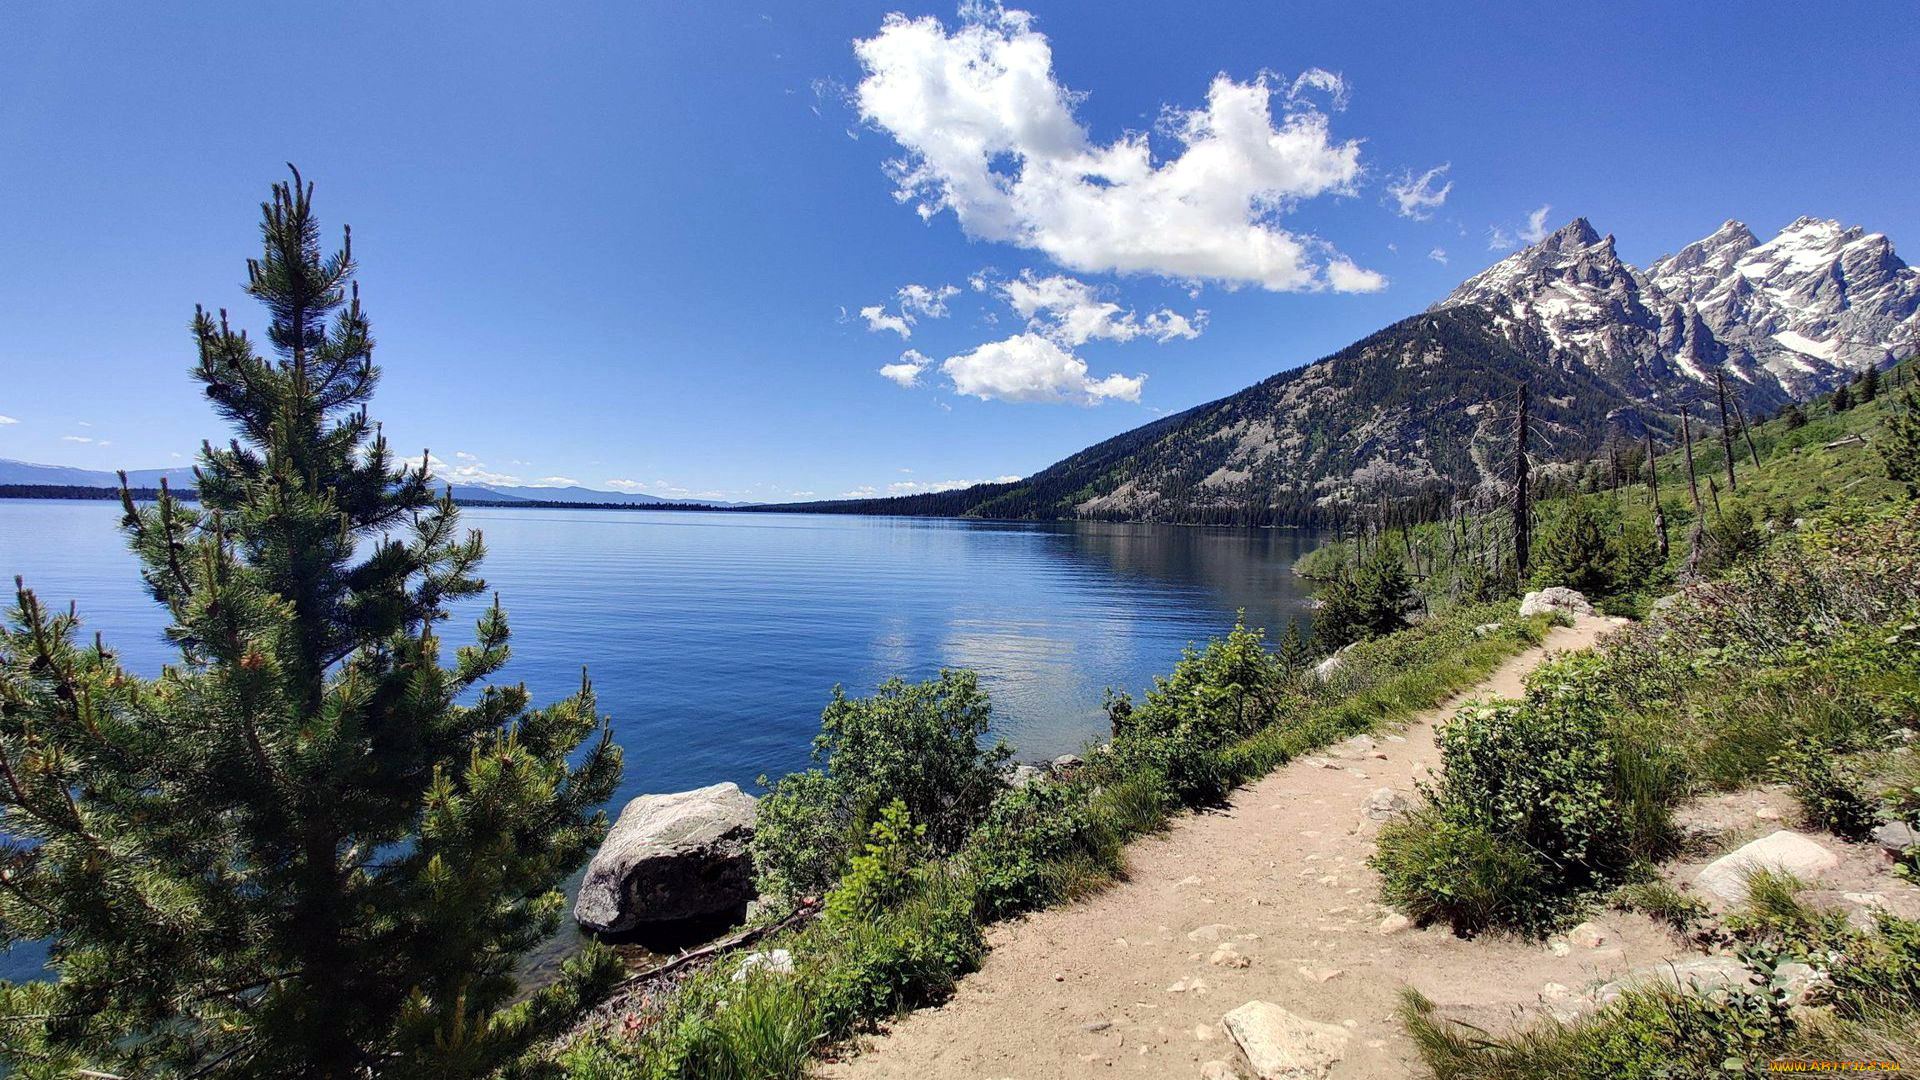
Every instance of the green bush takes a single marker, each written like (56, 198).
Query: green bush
(1536, 807)
(1215, 696)
(1658, 900)
(1023, 855)
(919, 743)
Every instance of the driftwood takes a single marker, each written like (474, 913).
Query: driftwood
(705, 953)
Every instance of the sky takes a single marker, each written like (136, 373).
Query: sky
(762, 251)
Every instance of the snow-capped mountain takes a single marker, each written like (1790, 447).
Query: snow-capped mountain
(1787, 318)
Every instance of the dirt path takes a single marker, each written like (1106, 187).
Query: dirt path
(1124, 984)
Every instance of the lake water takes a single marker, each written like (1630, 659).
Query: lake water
(713, 639)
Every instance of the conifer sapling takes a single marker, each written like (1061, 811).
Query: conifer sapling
(309, 848)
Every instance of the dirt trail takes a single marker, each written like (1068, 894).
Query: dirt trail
(1124, 984)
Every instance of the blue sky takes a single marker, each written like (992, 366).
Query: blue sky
(630, 245)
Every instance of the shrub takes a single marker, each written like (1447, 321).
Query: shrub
(1533, 810)
(915, 742)
(1215, 695)
(1023, 855)
(1833, 792)
(1573, 551)
(1438, 869)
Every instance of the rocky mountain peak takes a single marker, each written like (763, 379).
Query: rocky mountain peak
(1788, 317)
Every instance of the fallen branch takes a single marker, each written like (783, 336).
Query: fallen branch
(720, 948)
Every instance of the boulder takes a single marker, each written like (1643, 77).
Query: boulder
(1558, 598)
(1019, 776)
(1486, 629)
(1067, 763)
(671, 857)
(1784, 851)
(1896, 836)
(1282, 1046)
(1326, 669)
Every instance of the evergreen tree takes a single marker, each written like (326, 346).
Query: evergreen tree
(1870, 385)
(1843, 398)
(1794, 415)
(1900, 447)
(1294, 653)
(1574, 552)
(309, 848)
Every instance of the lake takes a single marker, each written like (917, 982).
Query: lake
(713, 639)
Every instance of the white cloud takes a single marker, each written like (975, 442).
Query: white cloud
(1438, 255)
(990, 135)
(5, 420)
(1347, 277)
(1327, 82)
(1031, 368)
(1072, 312)
(1500, 238)
(555, 481)
(916, 302)
(75, 438)
(1416, 196)
(628, 486)
(914, 487)
(464, 456)
(878, 320)
(906, 371)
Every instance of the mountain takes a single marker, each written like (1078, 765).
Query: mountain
(26, 472)
(1426, 405)
(1785, 319)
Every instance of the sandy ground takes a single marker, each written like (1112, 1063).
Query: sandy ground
(1124, 984)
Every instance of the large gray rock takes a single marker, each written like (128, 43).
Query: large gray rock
(1784, 851)
(671, 857)
(1558, 598)
(1282, 1046)
(1896, 836)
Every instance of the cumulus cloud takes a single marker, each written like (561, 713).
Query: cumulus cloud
(989, 134)
(464, 456)
(906, 371)
(1500, 237)
(555, 481)
(1072, 312)
(1438, 255)
(1029, 367)
(916, 302)
(1416, 197)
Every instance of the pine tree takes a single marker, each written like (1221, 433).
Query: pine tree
(1870, 385)
(1900, 448)
(309, 848)
(1574, 551)
(1794, 415)
(1294, 652)
(1843, 398)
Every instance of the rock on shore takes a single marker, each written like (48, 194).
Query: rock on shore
(671, 857)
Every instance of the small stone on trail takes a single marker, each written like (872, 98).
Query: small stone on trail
(1228, 956)
(1097, 1025)
(1559, 946)
(1209, 932)
(1188, 880)
(1588, 935)
(1767, 813)
(1320, 975)
(1218, 1070)
(1204, 1032)
(1394, 923)
(1896, 836)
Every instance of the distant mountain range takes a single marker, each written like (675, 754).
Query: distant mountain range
(1607, 350)
(25, 472)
